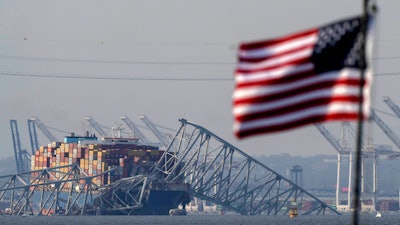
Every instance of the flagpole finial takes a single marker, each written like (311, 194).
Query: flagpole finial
(374, 8)
(370, 7)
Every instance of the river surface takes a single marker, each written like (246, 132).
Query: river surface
(365, 219)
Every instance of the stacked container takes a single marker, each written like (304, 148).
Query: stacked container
(126, 159)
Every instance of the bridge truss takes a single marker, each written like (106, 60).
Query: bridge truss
(41, 193)
(223, 174)
(64, 190)
(215, 170)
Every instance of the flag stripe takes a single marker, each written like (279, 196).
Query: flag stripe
(287, 43)
(294, 107)
(292, 102)
(285, 126)
(300, 57)
(251, 61)
(282, 53)
(277, 73)
(280, 105)
(338, 107)
(279, 87)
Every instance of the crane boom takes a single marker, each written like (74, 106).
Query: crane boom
(364, 140)
(96, 126)
(22, 157)
(135, 129)
(16, 144)
(392, 105)
(33, 136)
(331, 139)
(385, 128)
(164, 141)
(43, 128)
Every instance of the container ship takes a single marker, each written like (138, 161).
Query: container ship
(125, 157)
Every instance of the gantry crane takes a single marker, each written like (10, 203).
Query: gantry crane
(44, 129)
(375, 151)
(161, 137)
(369, 150)
(343, 149)
(22, 157)
(96, 126)
(135, 129)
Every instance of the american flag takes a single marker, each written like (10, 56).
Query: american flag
(302, 78)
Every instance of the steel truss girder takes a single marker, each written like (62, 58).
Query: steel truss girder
(221, 173)
(65, 190)
(127, 194)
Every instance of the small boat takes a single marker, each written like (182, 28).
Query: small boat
(293, 212)
(177, 212)
(378, 214)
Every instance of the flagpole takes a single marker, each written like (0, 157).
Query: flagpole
(358, 155)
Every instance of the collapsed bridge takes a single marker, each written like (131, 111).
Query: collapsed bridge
(197, 163)
(223, 174)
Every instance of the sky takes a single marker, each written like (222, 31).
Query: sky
(61, 61)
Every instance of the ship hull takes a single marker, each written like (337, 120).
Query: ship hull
(121, 168)
(159, 203)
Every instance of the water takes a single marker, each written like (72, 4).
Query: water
(365, 219)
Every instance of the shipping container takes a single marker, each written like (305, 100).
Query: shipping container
(94, 159)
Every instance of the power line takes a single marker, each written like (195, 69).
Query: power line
(387, 57)
(27, 58)
(121, 42)
(134, 62)
(203, 78)
(143, 78)
(387, 74)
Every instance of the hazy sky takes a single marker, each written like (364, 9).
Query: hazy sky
(63, 60)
